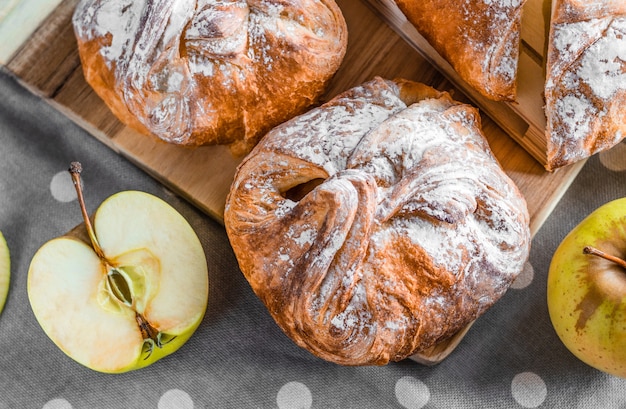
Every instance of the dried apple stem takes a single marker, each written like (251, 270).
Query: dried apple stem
(75, 169)
(594, 251)
(118, 285)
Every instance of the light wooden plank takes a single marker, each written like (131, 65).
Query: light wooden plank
(535, 25)
(18, 21)
(530, 104)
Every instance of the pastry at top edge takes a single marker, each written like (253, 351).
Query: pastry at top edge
(378, 224)
(480, 39)
(207, 72)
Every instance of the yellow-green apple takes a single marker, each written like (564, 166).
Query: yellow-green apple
(5, 271)
(124, 290)
(586, 289)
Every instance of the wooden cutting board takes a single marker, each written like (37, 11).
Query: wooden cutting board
(43, 56)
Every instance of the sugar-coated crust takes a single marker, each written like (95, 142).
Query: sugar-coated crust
(208, 72)
(378, 224)
(586, 79)
(479, 38)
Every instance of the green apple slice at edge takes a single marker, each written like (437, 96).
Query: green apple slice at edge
(5, 271)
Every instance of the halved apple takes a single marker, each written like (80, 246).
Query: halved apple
(126, 292)
(5, 271)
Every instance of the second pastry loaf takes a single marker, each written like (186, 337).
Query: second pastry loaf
(209, 72)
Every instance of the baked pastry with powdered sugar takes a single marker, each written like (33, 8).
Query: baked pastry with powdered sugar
(209, 72)
(479, 38)
(378, 224)
(585, 87)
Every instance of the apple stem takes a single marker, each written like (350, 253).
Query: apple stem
(594, 251)
(75, 169)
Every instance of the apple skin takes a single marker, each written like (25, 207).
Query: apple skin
(5, 271)
(586, 294)
(67, 284)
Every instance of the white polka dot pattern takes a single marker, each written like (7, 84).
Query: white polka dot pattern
(62, 188)
(412, 393)
(57, 403)
(294, 395)
(528, 389)
(175, 399)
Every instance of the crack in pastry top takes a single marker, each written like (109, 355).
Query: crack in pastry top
(420, 177)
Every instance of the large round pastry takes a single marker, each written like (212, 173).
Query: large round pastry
(206, 71)
(378, 224)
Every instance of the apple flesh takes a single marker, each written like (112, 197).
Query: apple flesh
(133, 297)
(5, 271)
(586, 291)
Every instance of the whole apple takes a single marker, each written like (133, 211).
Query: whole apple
(124, 292)
(5, 271)
(586, 289)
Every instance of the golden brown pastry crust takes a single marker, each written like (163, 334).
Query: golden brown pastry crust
(207, 72)
(586, 79)
(378, 224)
(479, 38)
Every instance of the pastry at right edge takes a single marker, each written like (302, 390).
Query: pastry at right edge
(585, 88)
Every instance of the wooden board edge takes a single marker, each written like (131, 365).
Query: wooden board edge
(439, 352)
(569, 173)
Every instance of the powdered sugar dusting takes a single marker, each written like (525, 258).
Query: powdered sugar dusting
(603, 66)
(575, 112)
(492, 33)
(117, 19)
